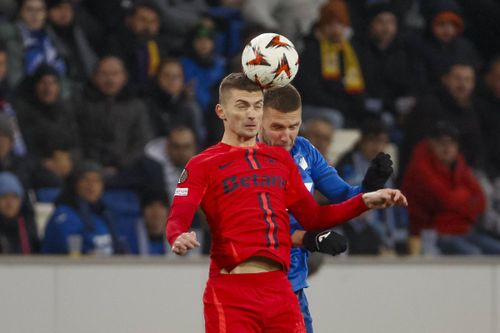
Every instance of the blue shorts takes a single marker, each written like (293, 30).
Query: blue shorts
(304, 307)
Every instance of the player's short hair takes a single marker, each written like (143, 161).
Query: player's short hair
(284, 99)
(238, 81)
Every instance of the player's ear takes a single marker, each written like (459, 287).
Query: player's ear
(220, 112)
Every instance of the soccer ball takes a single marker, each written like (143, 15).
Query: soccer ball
(270, 60)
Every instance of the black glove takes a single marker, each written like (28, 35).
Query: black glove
(325, 241)
(379, 171)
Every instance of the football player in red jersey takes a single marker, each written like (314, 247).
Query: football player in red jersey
(245, 189)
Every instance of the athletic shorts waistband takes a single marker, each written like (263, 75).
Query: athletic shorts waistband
(250, 279)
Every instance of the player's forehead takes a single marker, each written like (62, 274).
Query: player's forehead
(285, 119)
(234, 96)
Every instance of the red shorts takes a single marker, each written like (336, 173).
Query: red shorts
(247, 303)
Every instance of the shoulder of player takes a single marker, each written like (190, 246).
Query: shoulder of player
(206, 157)
(303, 144)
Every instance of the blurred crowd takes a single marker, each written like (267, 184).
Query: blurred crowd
(102, 103)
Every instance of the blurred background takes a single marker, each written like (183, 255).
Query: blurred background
(102, 103)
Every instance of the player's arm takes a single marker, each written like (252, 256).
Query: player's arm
(187, 198)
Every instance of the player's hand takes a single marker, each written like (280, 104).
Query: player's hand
(384, 198)
(379, 171)
(325, 241)
(185, 242)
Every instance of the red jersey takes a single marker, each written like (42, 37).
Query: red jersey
(245, 193)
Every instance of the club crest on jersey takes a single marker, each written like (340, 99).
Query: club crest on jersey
(183, 177)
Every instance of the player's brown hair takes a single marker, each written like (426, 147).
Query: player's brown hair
(285, 99)
(237, 81)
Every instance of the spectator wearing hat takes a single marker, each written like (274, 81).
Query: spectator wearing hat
(43, 115)
(81, 213)
(389, 67)
(151, 226)
(330, 74)
(445, 195)
(80, 55)
(30, 42)
(18, 233)
(5, 105)
(140, 44)
(443, 43)
(203, 68)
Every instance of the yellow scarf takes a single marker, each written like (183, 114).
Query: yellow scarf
(330, 65)
(154, 58)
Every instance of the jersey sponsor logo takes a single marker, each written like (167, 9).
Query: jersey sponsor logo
(225, 165)
(231, 183)
(181, 192)
(183, 177)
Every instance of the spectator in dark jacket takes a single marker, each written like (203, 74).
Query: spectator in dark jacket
(42, 114)
(150, 227)
(330, 75)
(445, 195)
(80, 212)
(454, 102)
(171, 103)
(114, 125)
(54, 166)
(18, 234)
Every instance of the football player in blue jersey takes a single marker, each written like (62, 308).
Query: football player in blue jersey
(280, 127)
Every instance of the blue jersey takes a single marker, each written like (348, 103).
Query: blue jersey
(316, 173)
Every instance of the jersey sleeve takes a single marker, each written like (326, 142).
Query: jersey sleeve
(327, 180)
(313, 216)
(190, 190)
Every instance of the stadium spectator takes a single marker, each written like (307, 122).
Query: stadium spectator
(5, 105)
(453, 101)
(21, 166)
(30, 42)
(80, 212)
(442, 43)
(376, 231)
(140, 44)
(319, 132)
(445, 196)
(79, 53)
(43, 115)
(330, 75)
(172, 153)
(171, 103)
(18, 233)
(150, 227)
(389, 68)
(202, 67)
(114, 124)
(55, 164)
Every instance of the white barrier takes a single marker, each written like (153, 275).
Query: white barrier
(134, 295)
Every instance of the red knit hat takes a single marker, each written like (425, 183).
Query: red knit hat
(449, 16)
(334, 10)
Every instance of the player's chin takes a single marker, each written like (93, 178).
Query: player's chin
(251, 131)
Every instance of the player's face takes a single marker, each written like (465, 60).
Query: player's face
(280, 128)
(242, 112)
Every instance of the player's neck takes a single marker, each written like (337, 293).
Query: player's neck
(233, 139)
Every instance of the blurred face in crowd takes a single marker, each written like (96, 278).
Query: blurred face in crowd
(59, 163)
(145, 22)
(181, 146)
(493, 79)
(47, 89)
(320, 133)
(10, 205)
(383, 29)
(5, 145)
(281, 128)
(110, 76)
(62, 15)
(3, 65)
(373, 144)
(445, 31)
(171, 78)
(155, 215)
(241, 112)
(204, 46)
(33, 13)
(445, 149)
(334, 31)
(460, 83)
(90, 187)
